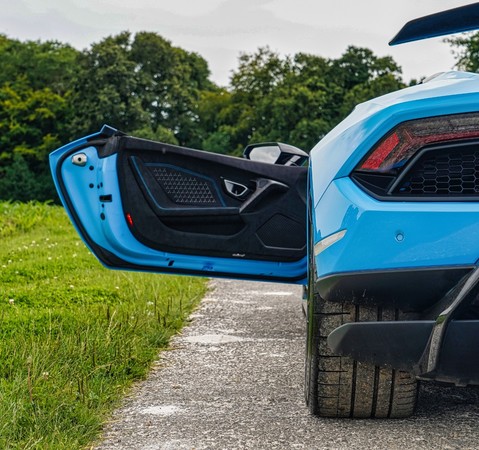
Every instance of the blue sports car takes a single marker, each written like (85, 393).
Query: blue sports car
(380, 226)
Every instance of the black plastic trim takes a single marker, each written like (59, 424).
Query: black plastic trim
(406, 289)
(459, 357)
(398, 345)
(417, 157)
(442, 347)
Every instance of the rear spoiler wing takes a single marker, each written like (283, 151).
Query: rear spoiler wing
(457, 20)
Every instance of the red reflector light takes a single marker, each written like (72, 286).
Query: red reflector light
(381, 153)
(397, 147)
(129, 219)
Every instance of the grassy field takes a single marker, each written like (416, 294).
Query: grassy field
(73, 335)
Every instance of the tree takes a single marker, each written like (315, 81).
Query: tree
(171, 81)
(18, 182)
(51, 93)
(361, 76)
(34, 91)
(41, 64)
(466, 51)
(293, 99)
(30, 124)
(106, 89)
(140, 83)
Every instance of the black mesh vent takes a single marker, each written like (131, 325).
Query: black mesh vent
(449, 172)
(184, 188)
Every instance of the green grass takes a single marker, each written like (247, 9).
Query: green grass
(73, 335)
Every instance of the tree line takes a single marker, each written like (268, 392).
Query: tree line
(51, 93)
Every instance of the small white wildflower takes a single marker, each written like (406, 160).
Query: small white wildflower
(9, 261)
(71, 286)
(49, 258)
(11, 301)
(149, 303)
(45, 375)
(55, 278)
(34, 242)
(117, 287)
(4, 266)
(77, 244)
(74, 255)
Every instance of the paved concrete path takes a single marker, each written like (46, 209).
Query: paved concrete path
(234, 380)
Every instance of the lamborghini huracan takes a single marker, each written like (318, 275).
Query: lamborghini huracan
(379, 223)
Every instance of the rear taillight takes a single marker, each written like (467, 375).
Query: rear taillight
(426, 159)
(392, 153)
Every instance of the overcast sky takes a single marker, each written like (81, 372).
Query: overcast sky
(220, 29)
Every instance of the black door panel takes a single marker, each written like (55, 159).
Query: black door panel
(187, 201)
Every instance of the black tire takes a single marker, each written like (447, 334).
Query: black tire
(337, 386)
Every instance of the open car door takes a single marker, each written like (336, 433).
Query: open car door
(144, 205)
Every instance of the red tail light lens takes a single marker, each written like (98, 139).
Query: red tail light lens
(400, 145)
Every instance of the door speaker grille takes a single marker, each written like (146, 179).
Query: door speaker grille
(282, 232)
(185, 188)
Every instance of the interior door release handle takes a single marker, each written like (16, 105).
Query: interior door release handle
(264, 187)
(235, 189)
